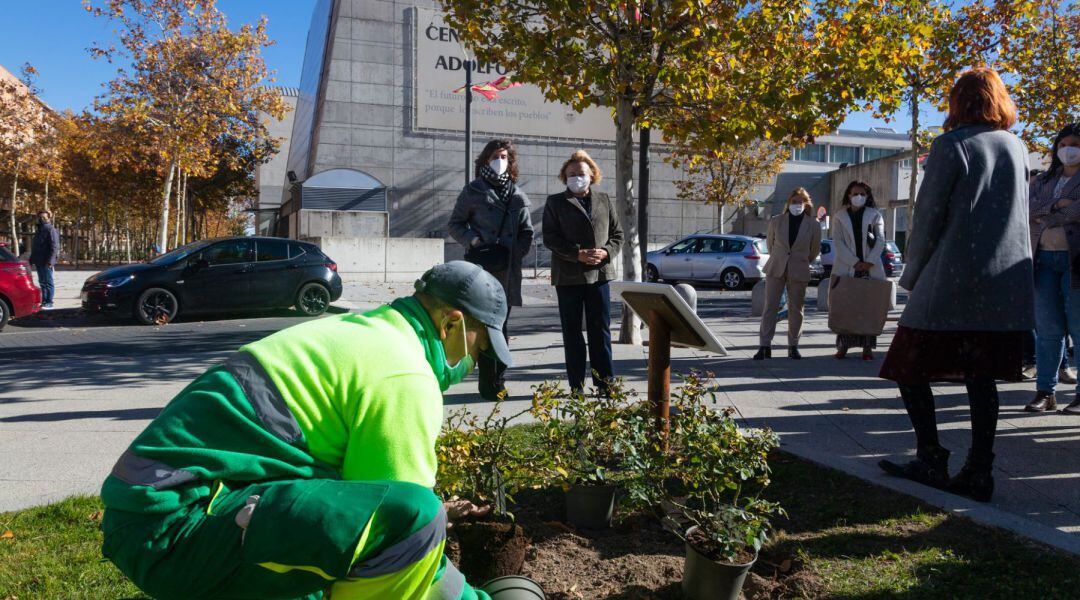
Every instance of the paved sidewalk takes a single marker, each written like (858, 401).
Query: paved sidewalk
(837, 413)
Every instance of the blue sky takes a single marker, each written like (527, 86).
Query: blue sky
(53, 35)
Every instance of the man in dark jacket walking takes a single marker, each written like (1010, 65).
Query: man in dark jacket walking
(43, 253)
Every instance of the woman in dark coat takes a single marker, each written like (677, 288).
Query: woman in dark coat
(1055, 238)
(491, 221)
(969, 271)
(581, 228)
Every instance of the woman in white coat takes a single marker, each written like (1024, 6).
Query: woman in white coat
(859, 238)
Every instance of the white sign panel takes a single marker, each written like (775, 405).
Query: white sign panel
(518, 111)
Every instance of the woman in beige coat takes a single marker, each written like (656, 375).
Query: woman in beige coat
(794, 241)
(859, 237)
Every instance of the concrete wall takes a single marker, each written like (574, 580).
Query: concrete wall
(890, 182)
(381, 258)
(270, 177)
(334, 223)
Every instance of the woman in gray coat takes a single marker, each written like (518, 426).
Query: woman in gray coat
(969, 272)
(491, 221)
(581, 228)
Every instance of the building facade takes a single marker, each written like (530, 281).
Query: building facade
(377, 95)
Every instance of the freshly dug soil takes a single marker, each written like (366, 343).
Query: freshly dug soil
(711, 550)
(488, 549)
(634, 560)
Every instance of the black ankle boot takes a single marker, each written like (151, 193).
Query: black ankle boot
(930, 467)
(974, 480)
(793, 353)
(763, 353)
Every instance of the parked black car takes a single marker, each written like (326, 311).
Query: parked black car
(892, 260)
(225, 274)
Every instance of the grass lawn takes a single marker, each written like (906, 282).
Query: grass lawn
(849, 538)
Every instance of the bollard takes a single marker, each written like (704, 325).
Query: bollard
(689, 294)
(757, 299)
(892, 299)
(823, 295)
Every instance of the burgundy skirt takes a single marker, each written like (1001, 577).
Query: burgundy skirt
(921, 356)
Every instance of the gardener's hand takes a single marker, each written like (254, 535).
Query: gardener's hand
(458, 509)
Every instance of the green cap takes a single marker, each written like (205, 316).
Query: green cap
(475, 292)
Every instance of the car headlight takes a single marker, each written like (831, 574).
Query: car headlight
(113, 282)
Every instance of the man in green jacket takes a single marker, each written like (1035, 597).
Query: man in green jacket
(305, 462)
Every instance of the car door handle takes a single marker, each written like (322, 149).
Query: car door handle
(293, 267)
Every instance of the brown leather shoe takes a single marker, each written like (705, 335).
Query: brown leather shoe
(1073, 408)
(1043, 402)
(1066, 376)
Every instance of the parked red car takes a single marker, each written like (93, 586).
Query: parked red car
(18, 294)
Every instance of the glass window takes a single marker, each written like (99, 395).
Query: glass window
(6, 255)
(811, 153)
(762, 246)
(876, 153)
(734, 245)
(712, 245)
(273, 250)
(844, 154)
(685, 247)
(295, 250)
(228, 253)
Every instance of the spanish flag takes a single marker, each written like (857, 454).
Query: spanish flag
(491, 89)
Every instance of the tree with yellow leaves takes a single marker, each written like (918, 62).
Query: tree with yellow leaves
(192, 82)
(24, 121)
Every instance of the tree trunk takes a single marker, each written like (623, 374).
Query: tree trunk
(630, 328)
(163, 232)
(179, 208)
(78, 231)
(916, 149)
(643, 197)
(47, 196)
(14, 206)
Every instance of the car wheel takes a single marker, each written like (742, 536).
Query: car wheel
(5, 313)
(313, 299)
(651, 274)
(731, 279)
(156, 306)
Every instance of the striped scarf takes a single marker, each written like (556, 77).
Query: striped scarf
(500, 183)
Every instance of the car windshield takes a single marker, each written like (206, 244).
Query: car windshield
(6, 255)
(180, 253)
(761, 246)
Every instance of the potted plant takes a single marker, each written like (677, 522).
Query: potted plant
(478, 463)
(715, 506)
(587, 435)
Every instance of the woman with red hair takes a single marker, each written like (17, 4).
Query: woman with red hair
(969, 272)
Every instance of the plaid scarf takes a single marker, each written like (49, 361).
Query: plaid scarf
(500, 183)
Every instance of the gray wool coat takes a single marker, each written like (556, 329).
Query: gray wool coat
(969, 259)
(477, 215)
(569, 228)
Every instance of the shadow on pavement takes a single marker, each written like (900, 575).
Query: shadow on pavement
(127, 414)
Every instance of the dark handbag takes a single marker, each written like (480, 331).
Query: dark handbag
(493, 257)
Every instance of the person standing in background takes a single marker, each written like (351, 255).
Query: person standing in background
(794, 242)
(1055, 233)
(491, 220)
(859, 238)
(970, 275)
(582, 230)
(44, 251)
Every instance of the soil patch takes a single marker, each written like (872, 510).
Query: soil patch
(489, 549)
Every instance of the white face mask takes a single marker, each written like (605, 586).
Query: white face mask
(499, 165)
(578, 183)
(858, 200)
(796, 209)
(1070, 155)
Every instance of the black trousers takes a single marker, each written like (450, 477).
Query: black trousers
(594, 300)
(493, 372)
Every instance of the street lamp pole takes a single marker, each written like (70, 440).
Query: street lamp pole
(468, 120)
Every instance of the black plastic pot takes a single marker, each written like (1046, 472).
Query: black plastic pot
(514, 587)
(590, 506)
(705, 579)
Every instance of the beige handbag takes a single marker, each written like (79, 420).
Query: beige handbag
(858, 306)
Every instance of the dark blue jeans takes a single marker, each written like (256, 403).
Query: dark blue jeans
(594, 300)
(45, 282)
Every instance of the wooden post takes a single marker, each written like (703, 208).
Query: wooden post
(660, 370)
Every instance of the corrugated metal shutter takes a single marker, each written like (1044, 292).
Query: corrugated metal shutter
(343, 199)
